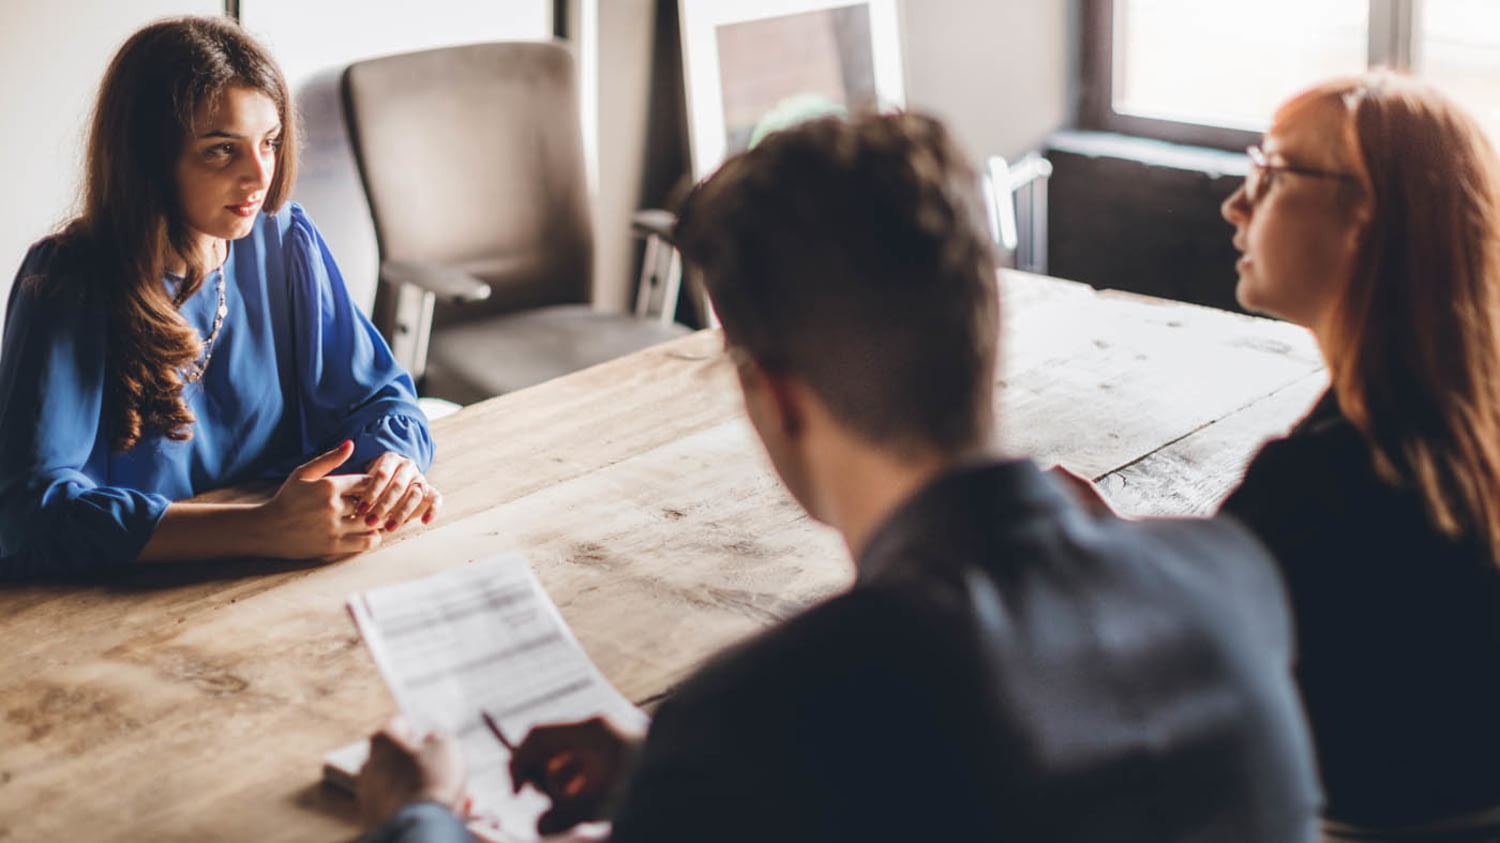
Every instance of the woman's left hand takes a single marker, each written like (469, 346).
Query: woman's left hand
(395, 492)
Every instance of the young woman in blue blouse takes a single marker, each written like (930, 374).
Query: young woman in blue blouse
(190, 330)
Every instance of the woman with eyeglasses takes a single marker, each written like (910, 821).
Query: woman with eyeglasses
(1371, 215)
(190, 330)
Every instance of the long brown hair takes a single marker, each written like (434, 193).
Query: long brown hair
(131, 228)
(1414, 340)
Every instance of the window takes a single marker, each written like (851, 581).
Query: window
(1458, 49)
(1211, 73)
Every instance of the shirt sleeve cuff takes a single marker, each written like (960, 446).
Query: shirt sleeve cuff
(403, 434)
(420, 822)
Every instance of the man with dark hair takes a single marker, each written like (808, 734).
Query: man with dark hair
(1007, 666)
(860, 263)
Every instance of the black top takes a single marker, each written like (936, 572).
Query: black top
(1007, 667)
(1398, 628)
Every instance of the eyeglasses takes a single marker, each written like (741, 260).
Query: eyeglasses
(1263, 174)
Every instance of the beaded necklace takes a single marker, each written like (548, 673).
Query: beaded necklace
(195, 372)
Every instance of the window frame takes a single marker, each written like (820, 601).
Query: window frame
(1392, 38)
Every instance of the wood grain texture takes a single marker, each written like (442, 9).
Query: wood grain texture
(1192, 475)
(194, 702)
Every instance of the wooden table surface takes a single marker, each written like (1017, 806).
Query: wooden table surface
(194, 702)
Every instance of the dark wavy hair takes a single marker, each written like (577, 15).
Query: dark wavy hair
(131, 227)
(855, 254)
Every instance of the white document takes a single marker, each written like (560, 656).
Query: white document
(485, 637)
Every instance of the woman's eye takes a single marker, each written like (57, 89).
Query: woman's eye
(219, 150)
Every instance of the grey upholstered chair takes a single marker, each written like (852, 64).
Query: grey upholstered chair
(472, 161)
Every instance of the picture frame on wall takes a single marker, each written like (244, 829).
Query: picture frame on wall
(754, 66)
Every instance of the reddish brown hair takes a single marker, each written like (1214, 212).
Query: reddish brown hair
(1414, 341)
(131, 227)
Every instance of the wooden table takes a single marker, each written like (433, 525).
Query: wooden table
(195, 702)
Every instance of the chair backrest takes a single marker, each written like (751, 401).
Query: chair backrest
(472, 157)
(1016, 199)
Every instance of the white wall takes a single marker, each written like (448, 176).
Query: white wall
(996, 71)
(50, 65)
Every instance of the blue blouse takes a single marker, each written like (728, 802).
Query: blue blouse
(296, 369)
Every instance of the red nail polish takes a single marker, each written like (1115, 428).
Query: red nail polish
(427, 519)
(371, 520)
(362, 509)
(390, 525)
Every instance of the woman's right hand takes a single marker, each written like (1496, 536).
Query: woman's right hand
(311, 516)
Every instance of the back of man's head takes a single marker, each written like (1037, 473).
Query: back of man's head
(853, 254)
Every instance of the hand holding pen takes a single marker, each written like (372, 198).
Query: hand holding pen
(577, 765)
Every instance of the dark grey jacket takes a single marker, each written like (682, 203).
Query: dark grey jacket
(1007, 667)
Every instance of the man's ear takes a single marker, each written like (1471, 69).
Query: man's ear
(777, 398)
(789, 398)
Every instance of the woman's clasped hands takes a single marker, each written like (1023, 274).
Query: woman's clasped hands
(317, 514)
